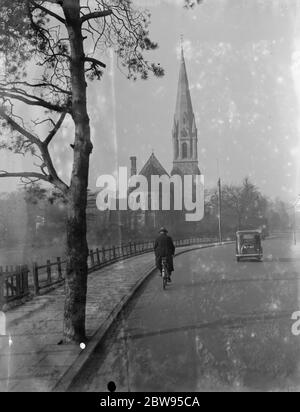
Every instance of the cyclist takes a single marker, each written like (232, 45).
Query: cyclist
(164, 247)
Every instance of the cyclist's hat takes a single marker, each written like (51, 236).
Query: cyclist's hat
(163, 230)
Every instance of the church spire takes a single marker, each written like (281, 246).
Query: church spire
(184, 108)
(184, 130)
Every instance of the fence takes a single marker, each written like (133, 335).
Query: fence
(19, 282)
(48, 275)
(14, 283)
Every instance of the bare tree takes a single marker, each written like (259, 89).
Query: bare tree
(65, 39)
(244, 203)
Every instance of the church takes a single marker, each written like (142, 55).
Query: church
(135, 224)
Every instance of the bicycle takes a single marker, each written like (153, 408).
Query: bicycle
(164, 272)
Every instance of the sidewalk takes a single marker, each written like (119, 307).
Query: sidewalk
(31, 359)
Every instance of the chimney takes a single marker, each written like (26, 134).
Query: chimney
(133, 170)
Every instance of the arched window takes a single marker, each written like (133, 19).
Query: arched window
(184, 150)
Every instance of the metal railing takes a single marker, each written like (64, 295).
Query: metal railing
(19, 282)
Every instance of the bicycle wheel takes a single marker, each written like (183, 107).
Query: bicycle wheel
(164, 277)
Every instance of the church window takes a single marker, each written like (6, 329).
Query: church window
(184, 150)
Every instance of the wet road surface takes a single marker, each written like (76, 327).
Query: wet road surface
(220, 326)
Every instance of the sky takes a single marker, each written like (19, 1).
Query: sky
(243, 64)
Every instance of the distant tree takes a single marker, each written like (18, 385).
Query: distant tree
(243, 206)
(13, 218)
(46, 213)
(278, 215)
(65, 40)
(3, 224)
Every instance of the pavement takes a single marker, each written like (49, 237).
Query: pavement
(31, 359)
(219, 326)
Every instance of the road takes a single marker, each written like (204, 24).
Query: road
(220, 326)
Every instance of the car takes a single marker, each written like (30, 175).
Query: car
(248, 245)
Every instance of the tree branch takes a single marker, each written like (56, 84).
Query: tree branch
(36, 85)
(20, 129)
(95, 15)
(52, 177)
(27, 99)
(26, 175)
(55, 129)
(95, 61)
(51, 13)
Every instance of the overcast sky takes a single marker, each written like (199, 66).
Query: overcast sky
(243, 63)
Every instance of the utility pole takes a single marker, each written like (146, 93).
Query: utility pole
(220, 209)
(294, 225)
(219, 202)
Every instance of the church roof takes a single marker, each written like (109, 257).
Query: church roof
(153, 167)
(184, 115)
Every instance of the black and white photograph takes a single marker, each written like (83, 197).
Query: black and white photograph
(149, 198)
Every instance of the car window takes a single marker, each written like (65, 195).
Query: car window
(248, 236)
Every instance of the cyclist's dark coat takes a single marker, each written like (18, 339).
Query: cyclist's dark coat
(164, 247)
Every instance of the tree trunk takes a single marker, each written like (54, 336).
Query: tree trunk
(239, 221)
(76, 276)
(77, 248)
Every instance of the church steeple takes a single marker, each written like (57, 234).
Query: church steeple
(185, 156)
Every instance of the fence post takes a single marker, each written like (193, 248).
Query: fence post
(103, 254)
(92, 258)
(114, 252)
(25, 279)
(48, 271)
(22, 280)
(35, 276)
(18, 280)
(59, 268)
(1, 288)
(98, 256)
